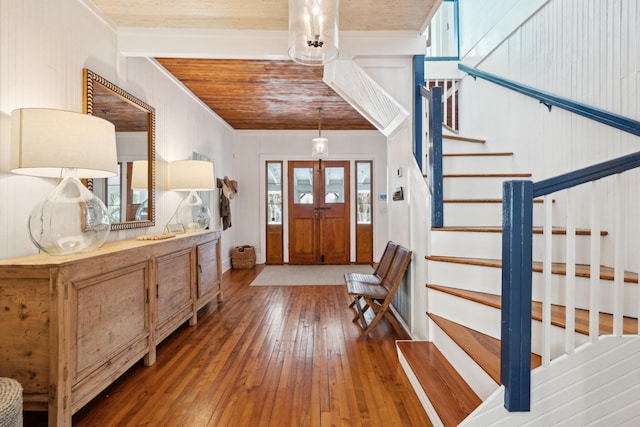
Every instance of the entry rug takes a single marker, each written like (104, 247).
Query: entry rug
(304, 275)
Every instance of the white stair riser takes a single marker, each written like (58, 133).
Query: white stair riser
(466, 244)
(483, 214)
(474, 187)
(489, 280)
(455, 146)
(558, 337)
(477, 164)
(487, 320)
(479, 317)
(479, 381)
(472, 244)
(582, 293)
(465, 276)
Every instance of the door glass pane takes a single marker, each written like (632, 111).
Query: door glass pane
(364, 192)
(274, 193)
(303, 186)
(334, 185)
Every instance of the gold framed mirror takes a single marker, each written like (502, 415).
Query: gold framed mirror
(130, 196)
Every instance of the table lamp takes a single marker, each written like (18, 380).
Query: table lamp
(65, 145)
(192, 176)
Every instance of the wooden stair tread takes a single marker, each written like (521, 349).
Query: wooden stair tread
(463, 138)
(447, 391)
(536, 230)
(482, 348)
(582, 270)
(485, 201)
(487, 175)
(498, 153)
(630, 325)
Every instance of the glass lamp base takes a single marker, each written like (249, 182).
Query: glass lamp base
(70, 220)
(193, 214)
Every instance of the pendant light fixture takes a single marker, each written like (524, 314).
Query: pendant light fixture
(319, 145)
(313, 31)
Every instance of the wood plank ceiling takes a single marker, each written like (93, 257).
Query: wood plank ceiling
(263, 94)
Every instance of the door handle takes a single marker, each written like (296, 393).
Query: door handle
(317, 215)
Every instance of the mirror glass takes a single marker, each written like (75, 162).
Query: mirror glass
(129, 196)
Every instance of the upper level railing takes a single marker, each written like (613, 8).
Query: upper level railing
(433, 106)
(428, 105)
(449, 101)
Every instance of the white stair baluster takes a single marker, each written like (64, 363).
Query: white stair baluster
(570, 280)
(618, 275)
(546, 269)
(594, 283)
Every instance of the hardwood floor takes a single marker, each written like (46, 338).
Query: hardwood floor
(266, 356)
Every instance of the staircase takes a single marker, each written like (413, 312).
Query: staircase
(456, 373)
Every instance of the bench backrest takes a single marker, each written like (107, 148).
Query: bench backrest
(385, 262)
(398, 266)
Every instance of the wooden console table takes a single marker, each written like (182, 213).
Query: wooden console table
(71, 325)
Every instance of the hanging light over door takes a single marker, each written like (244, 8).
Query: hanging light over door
(313, 31)
(319, 145)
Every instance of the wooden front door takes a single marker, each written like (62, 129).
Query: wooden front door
(319, 212)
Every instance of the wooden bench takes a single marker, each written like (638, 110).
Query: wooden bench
(378, 293)
(376, 277)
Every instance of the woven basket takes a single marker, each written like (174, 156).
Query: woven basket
(10, 403)
(243, 257)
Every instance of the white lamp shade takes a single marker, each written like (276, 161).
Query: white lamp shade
(313, 31)
(45, 141)
(186, 175)
(140, 175)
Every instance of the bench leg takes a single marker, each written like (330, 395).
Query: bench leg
(395, 324)
(381, 311)
(363, 307)
(355, 300)
(379, 314)
(359, 310)
(353, 306)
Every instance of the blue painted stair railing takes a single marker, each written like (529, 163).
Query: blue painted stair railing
(517, 238)
(434, 156)
(517, 266)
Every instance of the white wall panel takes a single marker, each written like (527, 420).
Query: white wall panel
(43, 47)
(584, 50)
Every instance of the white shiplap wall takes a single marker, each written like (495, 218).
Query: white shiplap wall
(43, 47)
(584, 50)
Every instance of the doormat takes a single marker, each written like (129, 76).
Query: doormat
(305, 275)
